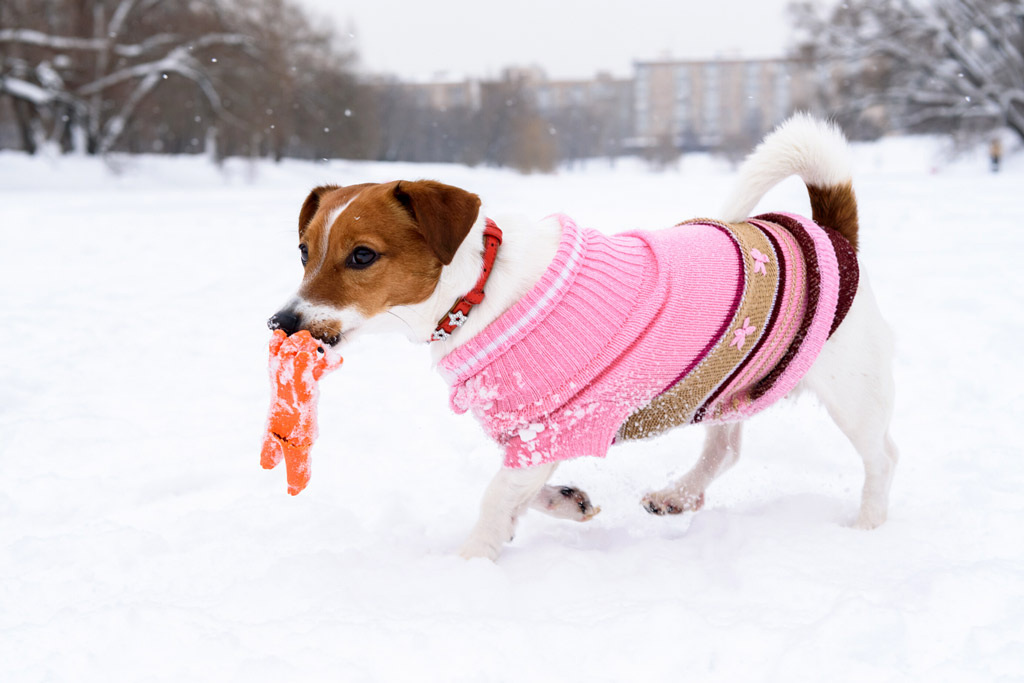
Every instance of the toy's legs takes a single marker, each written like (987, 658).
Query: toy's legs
(273, 451)
(721, 451)
(506, 497)
(295, 456)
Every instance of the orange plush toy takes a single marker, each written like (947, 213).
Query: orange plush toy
(296, 365)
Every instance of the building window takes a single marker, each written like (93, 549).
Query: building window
(682, 119)
(457, 96)
(641, 100)
(684, 84)
(544, 98)
(782, 93)
(752, 91)
(712, 103)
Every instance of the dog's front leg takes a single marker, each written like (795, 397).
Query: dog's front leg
(506, 497)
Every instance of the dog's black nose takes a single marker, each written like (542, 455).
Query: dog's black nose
(285, 320)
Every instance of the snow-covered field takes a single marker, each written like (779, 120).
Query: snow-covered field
(140, 539)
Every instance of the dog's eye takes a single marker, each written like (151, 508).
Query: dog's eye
(361, 257)
(303, 253)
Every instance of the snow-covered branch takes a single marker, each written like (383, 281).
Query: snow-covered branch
(34, 38)
(105, 121)
(26, 36)
(948, 61)
(23, 90)
(146, 46)
(117, 20)
(178, 60)
(94, 72)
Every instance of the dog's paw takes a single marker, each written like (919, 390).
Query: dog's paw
(565, 502)
(672, 502)
(475, 547)
(870, 518)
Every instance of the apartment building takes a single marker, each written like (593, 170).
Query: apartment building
(697, 104)
(710, 103)
(444, 95)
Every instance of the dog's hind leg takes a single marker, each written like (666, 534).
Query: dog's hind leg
(508, 494)
(853, 378)
(721, 451)
(565, 502)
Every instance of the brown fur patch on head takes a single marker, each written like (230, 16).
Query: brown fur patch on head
(406, 269)
(835, 207)
(443, 214)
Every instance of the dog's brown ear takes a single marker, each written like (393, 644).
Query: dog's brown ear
(311, 204)
(443, 214)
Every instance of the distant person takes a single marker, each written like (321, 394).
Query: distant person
(995, 153)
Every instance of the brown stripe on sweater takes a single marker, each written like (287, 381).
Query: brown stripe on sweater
(813, 294)
(770, 325)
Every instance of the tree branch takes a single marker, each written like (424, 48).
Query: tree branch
(23, 90)
(24, 36)
(171, 62)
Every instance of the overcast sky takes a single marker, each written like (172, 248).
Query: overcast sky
(568, 38)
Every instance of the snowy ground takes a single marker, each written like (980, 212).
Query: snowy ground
(140, 540)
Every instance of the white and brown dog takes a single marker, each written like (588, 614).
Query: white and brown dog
(397, 256)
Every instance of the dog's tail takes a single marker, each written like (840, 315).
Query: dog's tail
(816, 151)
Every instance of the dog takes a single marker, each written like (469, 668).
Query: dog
(549, 335)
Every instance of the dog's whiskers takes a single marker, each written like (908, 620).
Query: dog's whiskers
(403, 320)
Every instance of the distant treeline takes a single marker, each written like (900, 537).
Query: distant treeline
(260, 78)
(245, 77)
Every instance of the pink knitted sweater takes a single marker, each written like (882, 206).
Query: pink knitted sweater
(627, 335)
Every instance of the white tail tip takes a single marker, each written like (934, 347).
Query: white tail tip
(811, 148)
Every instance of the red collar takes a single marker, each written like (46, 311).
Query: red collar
(457, 314)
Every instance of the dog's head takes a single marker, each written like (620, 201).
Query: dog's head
(368, 248)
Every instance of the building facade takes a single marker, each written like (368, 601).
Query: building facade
(667, 105)
(715, 103)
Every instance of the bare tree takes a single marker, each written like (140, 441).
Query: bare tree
(259, 77)
(511, 130)
(80, 70)
(946, 64)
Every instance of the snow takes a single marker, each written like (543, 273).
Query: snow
(141, 541)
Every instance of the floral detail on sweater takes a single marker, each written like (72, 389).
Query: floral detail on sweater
(741, 333)
(760, 260)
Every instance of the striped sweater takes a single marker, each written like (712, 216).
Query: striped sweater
(626, 336)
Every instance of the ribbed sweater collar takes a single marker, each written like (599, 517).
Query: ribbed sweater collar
(596, 297)
(524, 316)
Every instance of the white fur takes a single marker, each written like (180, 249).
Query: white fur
(349, 317)
(325, 238)
(508, 494)
(812, 149)
(853, 379)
